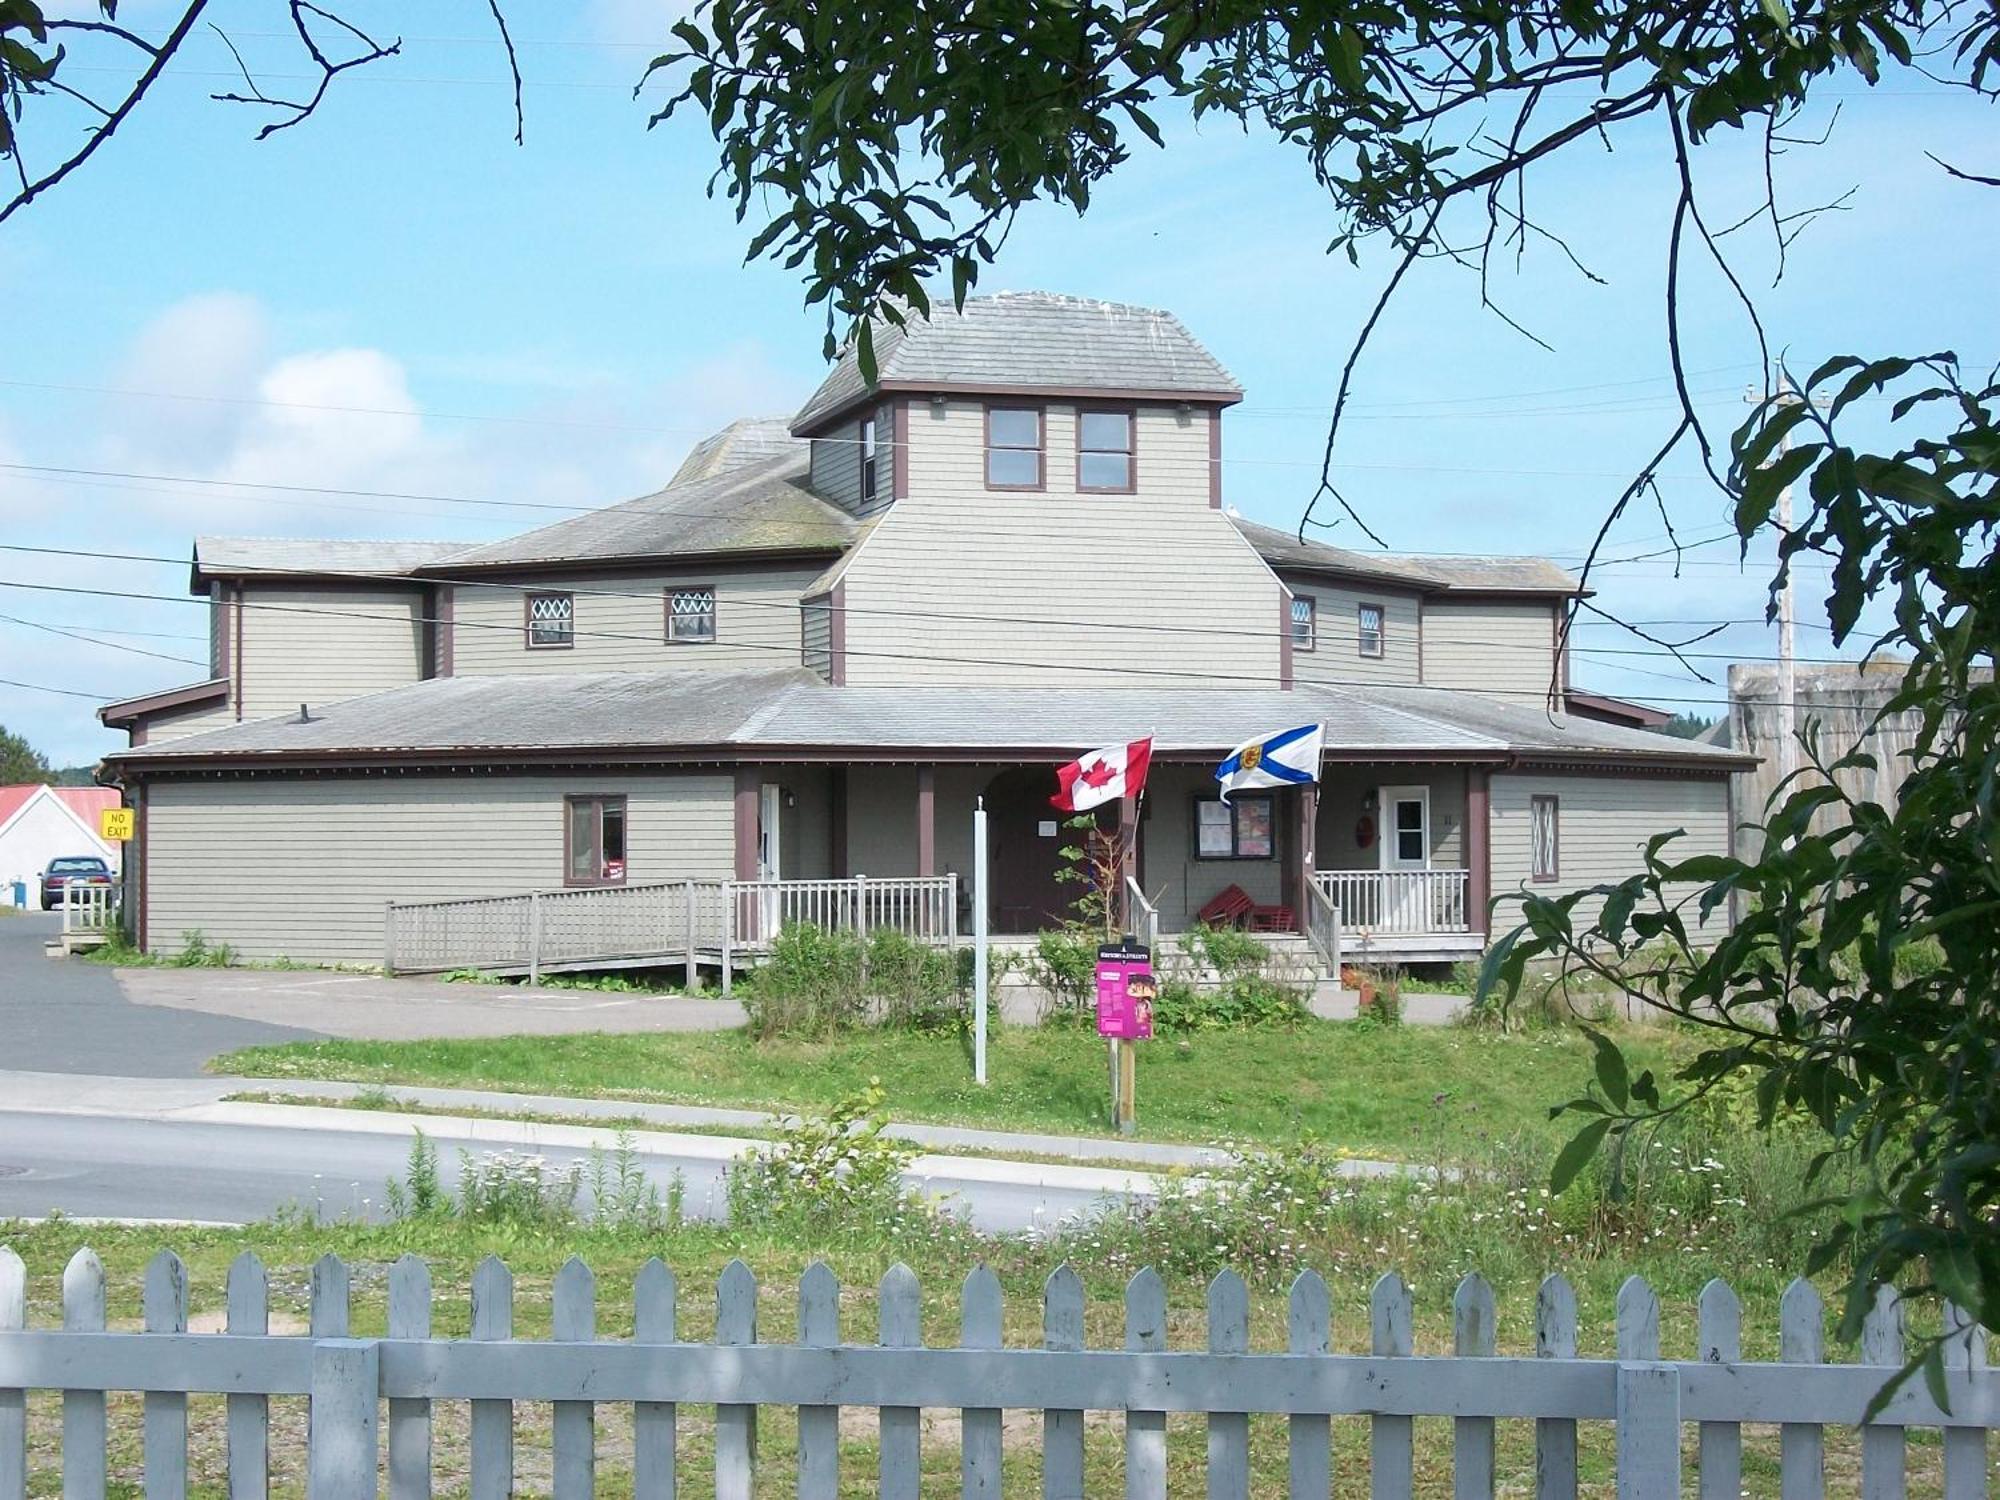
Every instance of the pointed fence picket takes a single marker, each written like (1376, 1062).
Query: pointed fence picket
(1645, 1397)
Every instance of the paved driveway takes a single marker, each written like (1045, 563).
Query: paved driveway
(68, 1016)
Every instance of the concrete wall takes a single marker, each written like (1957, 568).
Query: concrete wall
(621, 624)
(301, 869)
(1336, 655)
(320, 645)
(961, 584)
(1500, 646)
(1603, 825)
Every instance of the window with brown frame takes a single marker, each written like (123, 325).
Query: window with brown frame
(1014, 448)
(1105, 443)
(1305, 622)
(1368, 629)
(551, 621)
(691, 615)
(1544, 839)
(1240, 828)
(593, 840)
(870, 471)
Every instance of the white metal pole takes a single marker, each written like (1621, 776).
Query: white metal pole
(979, 941)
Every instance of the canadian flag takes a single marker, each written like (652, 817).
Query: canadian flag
(1103, 776)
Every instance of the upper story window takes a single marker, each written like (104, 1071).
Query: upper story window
(1014, 448)
(1368, 622)
(1544, 839)
(691, 614)
(1305, 622)
(869, 470)
(1104, 451)
(551, 621)
(593, 841)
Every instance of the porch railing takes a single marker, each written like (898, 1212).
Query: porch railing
(663, 920)
(1399, 901)
(1144, 917)
(1322, 925)
(89, 909)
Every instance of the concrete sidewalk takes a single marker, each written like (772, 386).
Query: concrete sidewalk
(203, 1098)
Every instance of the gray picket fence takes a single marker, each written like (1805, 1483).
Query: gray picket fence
(349, 1380)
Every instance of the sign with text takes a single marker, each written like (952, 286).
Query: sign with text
(1125, 991)
(117, 824)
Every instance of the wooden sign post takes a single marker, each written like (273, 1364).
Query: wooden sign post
(1125, 992)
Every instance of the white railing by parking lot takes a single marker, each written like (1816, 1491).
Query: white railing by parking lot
(89, 910)
(1648, 1400)
(719, 922)
(1400, 903)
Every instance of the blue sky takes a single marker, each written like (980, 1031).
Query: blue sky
(395, 298)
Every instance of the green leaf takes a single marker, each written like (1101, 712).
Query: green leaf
(1575, 1156)
(1612, 1075)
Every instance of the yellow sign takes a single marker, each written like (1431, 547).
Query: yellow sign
(117, 823)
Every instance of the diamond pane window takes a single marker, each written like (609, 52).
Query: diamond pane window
(1544, 838)
(551, 620)
(1368, 619)
(691, 615)
(1305, 622)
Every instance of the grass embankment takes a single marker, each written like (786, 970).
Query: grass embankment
(1408, 1092)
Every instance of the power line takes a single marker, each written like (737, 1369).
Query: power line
(77, 635)
(40, 687)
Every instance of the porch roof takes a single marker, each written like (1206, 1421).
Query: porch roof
(791, 714)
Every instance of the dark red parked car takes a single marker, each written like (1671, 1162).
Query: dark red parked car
(79, 869)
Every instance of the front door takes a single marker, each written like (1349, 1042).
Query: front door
(770, 812)
(1024, 834)
(1406, 852)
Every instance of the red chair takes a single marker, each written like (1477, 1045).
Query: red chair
(1229, 909)
(1273, 919)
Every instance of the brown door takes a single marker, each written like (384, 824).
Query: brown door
(1023, 835)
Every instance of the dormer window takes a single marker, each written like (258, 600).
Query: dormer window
(551, 621)
(868, 465)
(691, 615)
(1104, 452)
(1014, 448)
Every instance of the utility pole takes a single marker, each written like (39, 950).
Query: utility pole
(1788, 680)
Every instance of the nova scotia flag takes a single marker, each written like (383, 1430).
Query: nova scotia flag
(1288, 758)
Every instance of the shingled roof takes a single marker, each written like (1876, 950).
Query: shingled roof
(748, 440)
(1028, 341)
(249, 556)
(665, 714)
(1499, 575)
(763, 506)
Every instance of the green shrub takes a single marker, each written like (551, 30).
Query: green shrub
(1231, 953)
(809, 987)
(1063, 966)
(1238, 1004)
(913, 985)
(826, 1173)
(198, 953)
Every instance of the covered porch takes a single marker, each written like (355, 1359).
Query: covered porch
(1397, 848)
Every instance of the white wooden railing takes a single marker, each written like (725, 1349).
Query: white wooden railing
(1645, 1397)
(89, 909)
(1399, 901)
(1143, 917)
(1322, 925)
(684, 920)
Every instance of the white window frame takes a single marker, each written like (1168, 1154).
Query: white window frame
(1391, 857)
(1544, 838)
(1363, 635)
(1305, 631)
(675, 637)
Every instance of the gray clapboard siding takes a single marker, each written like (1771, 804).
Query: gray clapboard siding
(835, 472)
(179, 725)
(1499, 646)
(960, 584)
(306, 645)
(816, 627)
(1603, 825)
(621, 623)
(303, 869)
(1336, 656)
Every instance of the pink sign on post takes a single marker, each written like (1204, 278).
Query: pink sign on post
(1125, 991)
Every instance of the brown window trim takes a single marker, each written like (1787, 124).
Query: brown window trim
(868, 447)
(1041, 449)
(1311, 639)
(604, 800)
(1381, 630)
(667, 605)
(1233, 857)
(1554, 805)
(528, 620)
(1131, 415)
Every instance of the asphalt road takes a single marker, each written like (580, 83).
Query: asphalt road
(145, 1168)
(66, 1016)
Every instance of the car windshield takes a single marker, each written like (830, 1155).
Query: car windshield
(77, 867)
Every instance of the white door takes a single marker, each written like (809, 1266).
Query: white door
(1406, 854)
(770, 808)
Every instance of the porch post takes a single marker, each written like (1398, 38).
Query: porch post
(1128, 862)
(1478, 845)
(1298, 871)
(926, 820)
(836, 854)
(748, 778)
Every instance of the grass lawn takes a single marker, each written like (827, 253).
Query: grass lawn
(1407, 1092)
